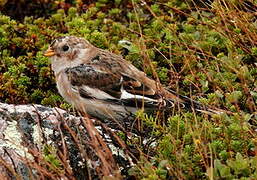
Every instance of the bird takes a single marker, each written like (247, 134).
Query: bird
(104, 85)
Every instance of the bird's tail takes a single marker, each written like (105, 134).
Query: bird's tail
(190, 104)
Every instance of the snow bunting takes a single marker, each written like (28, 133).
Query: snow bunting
(104, 85)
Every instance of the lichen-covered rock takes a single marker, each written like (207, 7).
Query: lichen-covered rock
(40, 141)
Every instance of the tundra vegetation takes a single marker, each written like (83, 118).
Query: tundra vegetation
(202, 49)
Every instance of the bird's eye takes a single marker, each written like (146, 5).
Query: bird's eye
(65, 48)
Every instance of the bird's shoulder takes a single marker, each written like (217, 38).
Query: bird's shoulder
(107, 61)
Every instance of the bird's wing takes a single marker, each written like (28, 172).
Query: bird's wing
(106, 81)
(92, 82)
(133, 80)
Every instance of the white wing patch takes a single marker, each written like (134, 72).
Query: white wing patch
(101, 95)
(93, 92)
(127, 95)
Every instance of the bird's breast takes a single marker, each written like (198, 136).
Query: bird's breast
(65, 88)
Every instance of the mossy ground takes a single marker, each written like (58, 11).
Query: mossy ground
(205, 51)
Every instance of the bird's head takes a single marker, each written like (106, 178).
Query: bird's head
(68, 51)
(67, 48)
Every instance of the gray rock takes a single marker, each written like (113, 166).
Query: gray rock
(38, 141)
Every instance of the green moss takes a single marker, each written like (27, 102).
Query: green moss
(50, 156)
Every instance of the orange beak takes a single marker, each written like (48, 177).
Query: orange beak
(49, 52)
